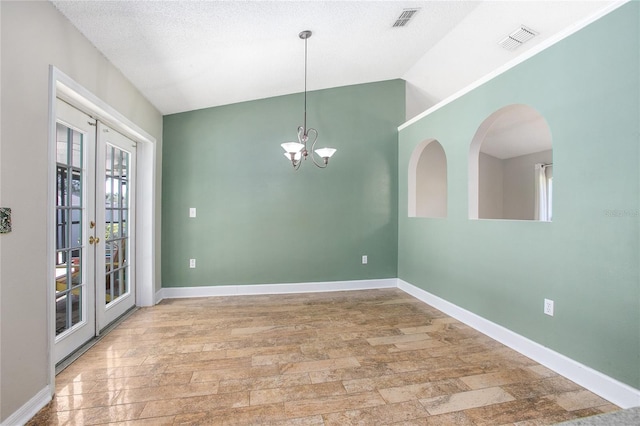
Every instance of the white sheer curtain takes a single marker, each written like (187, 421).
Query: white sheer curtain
(542, 192)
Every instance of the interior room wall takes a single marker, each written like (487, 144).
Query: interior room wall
(519, 184)
(586, 260)
(33, 36)
(417, 101)
(260, 222)
(490, 187)
(506, 186)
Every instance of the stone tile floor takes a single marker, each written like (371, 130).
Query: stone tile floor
(368, 357)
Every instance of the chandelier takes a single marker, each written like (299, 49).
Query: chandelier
(297, 151)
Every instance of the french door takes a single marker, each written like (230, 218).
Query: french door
(115, 212)
(75, 320)
(94, 228)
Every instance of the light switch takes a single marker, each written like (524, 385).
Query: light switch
(192, 212)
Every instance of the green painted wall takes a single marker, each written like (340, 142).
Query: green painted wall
(588, 89)
(258, 221)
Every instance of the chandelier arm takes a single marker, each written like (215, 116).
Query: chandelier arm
(302, 135)
(313, 150)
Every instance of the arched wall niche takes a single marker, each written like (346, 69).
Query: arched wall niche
(428, 180)
(502, 172)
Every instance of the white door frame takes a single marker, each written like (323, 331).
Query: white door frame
(62, 86)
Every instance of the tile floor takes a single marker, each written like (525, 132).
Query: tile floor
(364, 357)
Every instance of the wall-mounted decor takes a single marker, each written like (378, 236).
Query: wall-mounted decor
(5, 220)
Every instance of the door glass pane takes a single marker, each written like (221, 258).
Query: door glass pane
(76, 268)
(69, 280)
(61, 313)
(109, 289)
(116, 216)
(123, 192)
(61, 185)
(76, 305)
(62, 234)
(61, 145)
(76, 150)
(62, 271)
(76, 228)
(117, 275)
(115, 179)
(116, 220)
(76, 188)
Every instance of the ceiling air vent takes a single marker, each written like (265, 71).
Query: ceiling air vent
(517, 38)
(405, 17)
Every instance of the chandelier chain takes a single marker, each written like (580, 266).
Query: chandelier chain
(305, 87)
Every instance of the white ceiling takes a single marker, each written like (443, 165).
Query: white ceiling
(186, 55)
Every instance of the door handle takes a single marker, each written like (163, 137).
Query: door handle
(93, 240)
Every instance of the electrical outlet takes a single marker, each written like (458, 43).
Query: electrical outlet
(364, 259)
(192, 263)
(192, 212)
(548, 307)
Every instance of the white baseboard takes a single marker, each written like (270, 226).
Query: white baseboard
(256, 289)
(30, 409)
(607, 387)
(158, 296)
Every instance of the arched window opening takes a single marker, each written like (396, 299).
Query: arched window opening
(510, 166)
(428, 180)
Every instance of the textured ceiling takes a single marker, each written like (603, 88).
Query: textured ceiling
(185, 55)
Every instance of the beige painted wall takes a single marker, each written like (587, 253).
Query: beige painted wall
(490, 189)
(33, 36)
(431, 182)
(506, 187)
(417, 101)
(519, 184)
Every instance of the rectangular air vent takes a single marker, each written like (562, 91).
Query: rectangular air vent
(405, 17)
(517, 38)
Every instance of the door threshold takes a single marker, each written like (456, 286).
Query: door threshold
(84, 348)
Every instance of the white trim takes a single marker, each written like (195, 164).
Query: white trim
(23, 414)
(159, 296)
(525, 55)
(51, 244)
(257, 289)
(146, 224)
(73, 93)
(607, 387)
